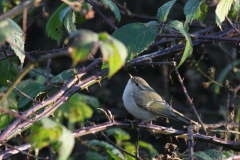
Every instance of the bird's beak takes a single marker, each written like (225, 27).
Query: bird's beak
(130, 76)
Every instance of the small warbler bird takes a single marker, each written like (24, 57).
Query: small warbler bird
(146, 104)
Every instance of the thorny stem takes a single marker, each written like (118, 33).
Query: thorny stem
(189, 99)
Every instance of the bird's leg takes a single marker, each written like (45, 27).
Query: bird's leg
(132, 121)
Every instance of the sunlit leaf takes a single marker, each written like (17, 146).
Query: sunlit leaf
(188, 48)
(222, 10)
(113, 51)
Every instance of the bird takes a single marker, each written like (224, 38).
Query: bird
(144, 103)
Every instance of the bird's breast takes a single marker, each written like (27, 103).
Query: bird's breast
(132, 108)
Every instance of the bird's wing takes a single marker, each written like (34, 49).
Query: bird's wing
(153, 103)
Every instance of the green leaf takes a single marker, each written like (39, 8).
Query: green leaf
(17, 42)
(6, 34)
(54, 26)
(136, 37)
(119, 134)
(49, 132)
(113, 51)
(192, 10)
(234, 12)
(69, 22)
(76, 110)
(131, 148)
(148, 146)
(67, 17)
(188, 48)
(164, 10)
(32, 90)
(222, 10)
(114, 8)
(85, 44)
(153, 23)
(114, 152)
(9, 103)
(8, 71)
(63, 77)
(93, 101)
(94, 156)
(210, 154)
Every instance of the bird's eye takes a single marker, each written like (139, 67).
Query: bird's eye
(136, 84)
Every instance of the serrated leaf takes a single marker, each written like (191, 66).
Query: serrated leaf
(69, 22)
(8, 71)
(114, 8)
(234, 12)
(222, 10)
(54, 26)
(17, 42)
(67, 17)
(192, 10)
(188, 48)
(113, 51)
(136, 37)
(164, 10)
(32, 90)
(85, 44)
(49, 132)
(114, 152)
(9, 103)
(210, 154)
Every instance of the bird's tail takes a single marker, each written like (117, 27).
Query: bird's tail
(179, 116)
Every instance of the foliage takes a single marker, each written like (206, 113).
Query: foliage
(133, 42)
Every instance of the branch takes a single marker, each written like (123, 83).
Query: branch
(157, 130)
(189, 99)
(102, 15)
(56, 100)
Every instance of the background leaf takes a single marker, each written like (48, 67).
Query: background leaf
(163, 11)
(114, 8)
(136, 37)
(8, 71)
(114, 152)
(188, 48)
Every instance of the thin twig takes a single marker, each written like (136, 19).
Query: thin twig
(22, 93)
(224, 131)
(190, 141)
(35, 18)
(189, 99)
(154, 63)
(41, 73)
(119, 147)
(48, 70)
(102, 15)
(10, 146)
(230, 22)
